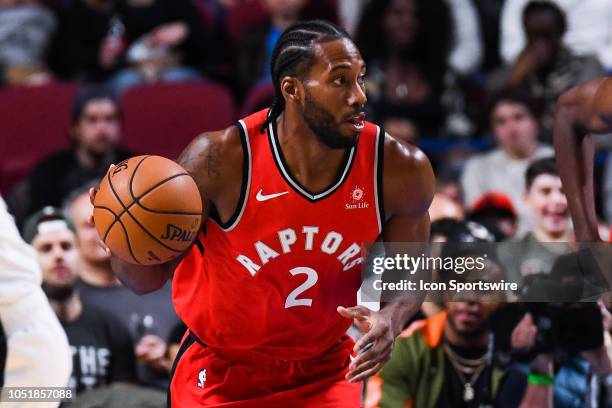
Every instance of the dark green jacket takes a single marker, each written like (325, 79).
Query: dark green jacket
(414, 376)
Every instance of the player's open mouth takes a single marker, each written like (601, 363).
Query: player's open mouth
(357, 121)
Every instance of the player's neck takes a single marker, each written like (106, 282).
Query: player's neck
(310, 161)
(69, 310)
(98, 274)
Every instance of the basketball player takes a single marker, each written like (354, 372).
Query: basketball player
(583, 110)
(291, 194)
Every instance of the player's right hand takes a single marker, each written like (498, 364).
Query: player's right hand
(374, 348)
(92, 198)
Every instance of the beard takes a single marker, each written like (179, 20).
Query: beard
(324, 126)
(58, 293)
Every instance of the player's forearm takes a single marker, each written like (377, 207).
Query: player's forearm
(400, 306)
(142, 279)
(575, 157)
(399, 312)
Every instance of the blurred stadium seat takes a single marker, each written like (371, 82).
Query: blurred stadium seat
(245, 15)
(163, 118)
(206, 13)
(35, 122)
(259, 97)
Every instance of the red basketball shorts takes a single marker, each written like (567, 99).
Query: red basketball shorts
(203, 378)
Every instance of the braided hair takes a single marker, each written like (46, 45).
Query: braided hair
(293, 55)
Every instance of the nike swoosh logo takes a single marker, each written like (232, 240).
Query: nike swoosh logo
(261, 197)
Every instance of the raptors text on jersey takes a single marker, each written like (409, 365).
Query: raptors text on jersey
(270, 279)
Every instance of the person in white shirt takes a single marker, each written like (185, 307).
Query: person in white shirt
(38, 354)
(515, 127)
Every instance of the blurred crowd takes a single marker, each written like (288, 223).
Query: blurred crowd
(472, 82)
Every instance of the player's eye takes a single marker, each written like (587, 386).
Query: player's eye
(339, 81)
(361, 79)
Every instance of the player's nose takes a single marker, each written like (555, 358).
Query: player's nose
(357, 96)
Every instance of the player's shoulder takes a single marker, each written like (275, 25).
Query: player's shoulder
(213, 158)
(588, 104)
(408, 177)
(225, 140)
(405, 161)
(401, 153)
(587, 91)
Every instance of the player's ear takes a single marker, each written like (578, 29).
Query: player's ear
(291, 89)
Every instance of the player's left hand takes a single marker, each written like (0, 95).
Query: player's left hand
(379, 333)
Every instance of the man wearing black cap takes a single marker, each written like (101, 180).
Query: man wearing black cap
(101, 346)
(95, 133)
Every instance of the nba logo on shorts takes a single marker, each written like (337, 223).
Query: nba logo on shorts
(202, 378)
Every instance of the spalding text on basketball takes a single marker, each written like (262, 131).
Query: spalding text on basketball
(120, 167)
(174, 233)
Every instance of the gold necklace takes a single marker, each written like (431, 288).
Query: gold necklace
(463, 367)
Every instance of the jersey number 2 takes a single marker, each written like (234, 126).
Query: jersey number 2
(311, 280)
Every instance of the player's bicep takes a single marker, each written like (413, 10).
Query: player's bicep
(215, 161)
(197, 159)
(408, 183)
(407, 229)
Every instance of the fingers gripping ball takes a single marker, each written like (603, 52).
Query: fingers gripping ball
(148, 210)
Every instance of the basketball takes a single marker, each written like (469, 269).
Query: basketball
(147, 210)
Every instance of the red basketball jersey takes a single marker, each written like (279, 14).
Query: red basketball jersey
(269, 280)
